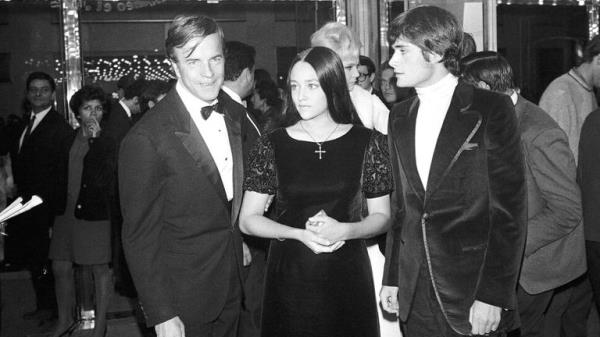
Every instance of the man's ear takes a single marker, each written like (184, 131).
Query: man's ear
(434, 58)
(596, 60)
(175, 68)
(483, 85)
(372, 77)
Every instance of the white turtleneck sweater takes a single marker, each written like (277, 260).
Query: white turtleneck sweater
(434, 102)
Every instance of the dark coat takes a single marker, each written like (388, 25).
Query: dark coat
(589, 175)
(181, 238)
(555, 248)
(468, 227)
(39, 167)
(97, 179)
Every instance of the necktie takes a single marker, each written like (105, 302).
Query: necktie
(207, 110)
(29, 127)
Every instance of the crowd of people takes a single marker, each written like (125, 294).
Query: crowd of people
(440, 202)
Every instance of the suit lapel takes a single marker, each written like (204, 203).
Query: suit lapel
(405, 143)
(460, 125)
(234, 131)
(192, 140)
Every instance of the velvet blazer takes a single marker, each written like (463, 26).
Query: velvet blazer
(467, 227)
(180, 234)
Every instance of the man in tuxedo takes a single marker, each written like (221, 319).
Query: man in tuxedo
(238, 84)
(555, 249)
(180, 178)
(122, 115)
(458, 207)
(39, 156)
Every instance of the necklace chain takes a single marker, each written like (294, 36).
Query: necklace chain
(319, 144)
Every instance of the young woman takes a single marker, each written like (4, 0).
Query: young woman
(82, 234)
(321, 167)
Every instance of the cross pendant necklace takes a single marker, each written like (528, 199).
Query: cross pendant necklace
(320, 151)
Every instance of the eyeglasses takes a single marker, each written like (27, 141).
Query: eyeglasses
(362, 77)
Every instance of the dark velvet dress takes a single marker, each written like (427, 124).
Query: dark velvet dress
(308, 294)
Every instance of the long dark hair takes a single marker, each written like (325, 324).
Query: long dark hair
(330, 72)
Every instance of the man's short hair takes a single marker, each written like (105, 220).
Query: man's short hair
(40, 75)
(434, 30)
(336, 36)
(592, 48)
(135, 89)
(238, 56)
(184, 28)
(489, 67)
(367, 62)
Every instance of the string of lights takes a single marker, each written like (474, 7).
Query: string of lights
(149, 67)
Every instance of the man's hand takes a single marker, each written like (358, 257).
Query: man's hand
(171, 328)
(389, 299)
(247, 255)
(484, 318)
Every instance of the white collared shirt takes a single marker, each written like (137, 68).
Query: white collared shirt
(38, 118)
(234, 96)
(434, 102)
(214, 133)
(125, 107)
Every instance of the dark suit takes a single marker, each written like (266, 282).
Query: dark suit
(589, 179)
(555, 251)
(466, 230)
(39, 169)
(180, 234)
(117, 125)
(253, 276)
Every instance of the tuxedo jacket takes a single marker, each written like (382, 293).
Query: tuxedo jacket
(555, 248)
(467, 227)
(39, 165)
(118, 122)
(180, 235)
(589, 175)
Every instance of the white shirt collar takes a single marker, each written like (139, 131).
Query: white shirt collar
(125, 107)
(40, 115)
(191, 102)
(233, 95)
(514, 97)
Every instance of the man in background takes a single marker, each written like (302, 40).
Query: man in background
(39, 157)
(555, 250)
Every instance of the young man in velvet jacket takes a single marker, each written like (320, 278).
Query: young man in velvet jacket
(458, 207)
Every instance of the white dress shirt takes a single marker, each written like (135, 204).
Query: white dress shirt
(371, 111)
(214, 133)
(38, 118)
(434, 102)
(238, 99)
(126, 108)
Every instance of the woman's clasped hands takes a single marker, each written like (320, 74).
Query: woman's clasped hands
(324, 234)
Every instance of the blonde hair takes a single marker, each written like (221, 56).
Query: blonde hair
(336, 36)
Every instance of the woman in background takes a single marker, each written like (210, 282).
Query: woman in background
(82, 234)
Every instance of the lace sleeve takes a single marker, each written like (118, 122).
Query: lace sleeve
(377, 174)
(260, 174)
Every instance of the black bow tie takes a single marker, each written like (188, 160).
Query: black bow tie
(207, 110)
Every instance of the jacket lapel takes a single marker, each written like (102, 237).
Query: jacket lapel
(405, 143)
(192, 140)
(234, 131)
(460, 125)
